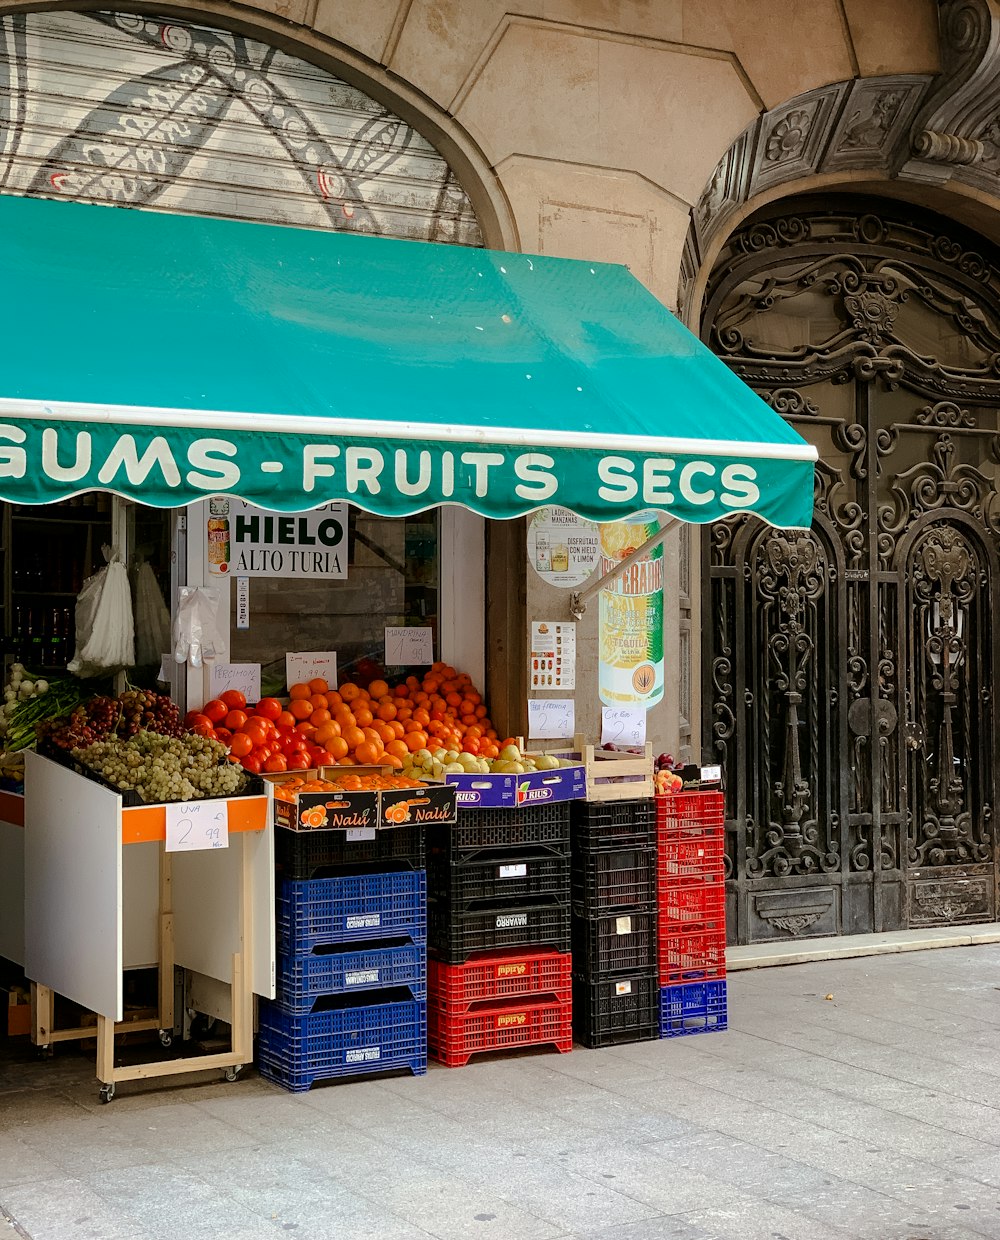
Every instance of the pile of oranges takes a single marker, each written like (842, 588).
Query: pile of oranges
(382, 724)
(354, 726)
(289, 789)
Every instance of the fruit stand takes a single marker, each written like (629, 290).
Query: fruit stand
(298, 518)
(88, 858)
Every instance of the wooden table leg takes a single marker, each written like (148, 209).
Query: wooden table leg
(43, 1014)
(166, 949)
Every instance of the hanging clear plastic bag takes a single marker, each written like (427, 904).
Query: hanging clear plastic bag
(152, 619)
(105, 630)
(196, 631)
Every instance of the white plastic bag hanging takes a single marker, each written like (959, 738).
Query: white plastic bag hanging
(105, 632)
(152, 619)
(196, 629)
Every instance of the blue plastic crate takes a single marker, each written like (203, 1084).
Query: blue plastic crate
(304, 979)
(694, 1007)
(318, 912)
(294, 1051)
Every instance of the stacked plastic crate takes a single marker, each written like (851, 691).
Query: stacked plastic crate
(499, 932)
(615, 985)
(352, 957)
(692, 912)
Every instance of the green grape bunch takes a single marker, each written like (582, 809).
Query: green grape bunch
(164, 768)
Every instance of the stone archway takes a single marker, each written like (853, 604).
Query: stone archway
(177, 114)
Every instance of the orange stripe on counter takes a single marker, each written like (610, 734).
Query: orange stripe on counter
(12, 808)
(143, 823)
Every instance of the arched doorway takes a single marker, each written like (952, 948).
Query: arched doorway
(161, 113)
(850, 687)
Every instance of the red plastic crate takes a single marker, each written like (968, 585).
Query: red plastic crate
(692, 906)
(499, 975)
(452, 1037)
(690, 809)
(688, 955)
(688, 854)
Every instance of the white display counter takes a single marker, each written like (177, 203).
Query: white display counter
(102, 894)
(12, 877)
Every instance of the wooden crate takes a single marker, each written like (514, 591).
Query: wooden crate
(613, 776)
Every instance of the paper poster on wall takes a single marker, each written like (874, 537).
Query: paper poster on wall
(242, 602)
(244, 677)
(552, 660)
(630, 616)
(245, 541)
(552, 719)
(301, 666)
(409, 647)
(563, 548)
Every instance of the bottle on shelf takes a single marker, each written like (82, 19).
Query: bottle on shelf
(38, 642)
(54, 654)
(17, 631)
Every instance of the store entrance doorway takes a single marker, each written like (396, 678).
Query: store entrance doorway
(850, 680)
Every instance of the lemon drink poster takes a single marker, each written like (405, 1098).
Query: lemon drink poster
(630, 625)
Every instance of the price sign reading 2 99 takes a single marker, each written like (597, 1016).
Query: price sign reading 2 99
(194, 826)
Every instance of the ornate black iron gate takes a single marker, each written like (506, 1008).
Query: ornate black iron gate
(850, 691)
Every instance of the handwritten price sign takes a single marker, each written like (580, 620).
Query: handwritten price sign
(304, 665)
(623, 725)
(195, 826)
(409, 647)
(242, 676)
(551, 719)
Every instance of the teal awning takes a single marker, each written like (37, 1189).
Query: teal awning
(168, 357)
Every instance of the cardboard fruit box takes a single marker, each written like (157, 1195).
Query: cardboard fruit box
(361, 813)
(565, 783)
(436, 803)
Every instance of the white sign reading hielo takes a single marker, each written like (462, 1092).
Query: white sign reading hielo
(245, 541)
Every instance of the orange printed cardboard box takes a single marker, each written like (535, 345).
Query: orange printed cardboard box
(437, 803)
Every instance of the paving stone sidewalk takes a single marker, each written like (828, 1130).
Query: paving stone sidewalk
(871, 1115)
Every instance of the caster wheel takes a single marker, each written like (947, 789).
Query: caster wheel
(166, 1037)
(44, 1052)
(233, 1073)
(107, 1093)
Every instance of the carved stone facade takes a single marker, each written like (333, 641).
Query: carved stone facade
(926, 132)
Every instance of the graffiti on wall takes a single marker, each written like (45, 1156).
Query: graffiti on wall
(131, 110)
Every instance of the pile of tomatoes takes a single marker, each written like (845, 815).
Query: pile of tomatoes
(264, 737)
(377, 724)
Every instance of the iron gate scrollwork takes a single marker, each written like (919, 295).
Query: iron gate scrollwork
(848, 691)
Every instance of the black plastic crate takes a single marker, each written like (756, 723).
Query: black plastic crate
(324, 854)
(496, 877)
(453, 935)
(614, 824)
(477, 829)
(620, 878)
(615, 944)
(616, 1010)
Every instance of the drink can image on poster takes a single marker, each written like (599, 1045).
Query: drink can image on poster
(563, 548)
(630, 632)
